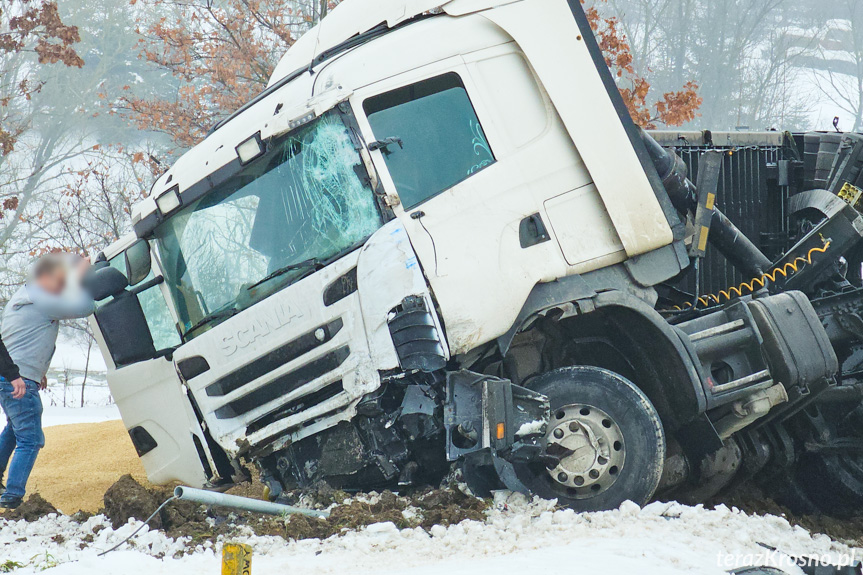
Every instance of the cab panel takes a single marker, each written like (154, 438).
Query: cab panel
(285, 361)
(471, 171)
(299, 361)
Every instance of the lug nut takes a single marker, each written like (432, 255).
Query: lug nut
(562, 477)
(558, 433)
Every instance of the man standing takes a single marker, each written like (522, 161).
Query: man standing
(31, 323)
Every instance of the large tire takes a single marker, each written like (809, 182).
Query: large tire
(601, 415)
(833, 482)
(832, 479)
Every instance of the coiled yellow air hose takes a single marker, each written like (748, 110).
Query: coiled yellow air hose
(785, 270)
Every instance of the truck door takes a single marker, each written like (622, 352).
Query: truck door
(151, 399)
(471, 150)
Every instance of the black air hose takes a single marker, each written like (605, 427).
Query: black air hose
(724, 235)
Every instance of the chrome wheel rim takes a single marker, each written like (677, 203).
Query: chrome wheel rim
(589, 448)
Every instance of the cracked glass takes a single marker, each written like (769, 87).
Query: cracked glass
(285, 215)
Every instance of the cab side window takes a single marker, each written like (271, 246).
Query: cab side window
(159, 320)
(440, 140)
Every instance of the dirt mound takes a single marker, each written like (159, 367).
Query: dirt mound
(448, 507)
(753, 500)
(31, 510)
(127, 498)
(355, 514)
(430, 507)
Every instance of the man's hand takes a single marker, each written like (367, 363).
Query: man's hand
(83, 266)
(19, 388)
(43, 385)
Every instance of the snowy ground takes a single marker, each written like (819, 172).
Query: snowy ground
(68, 415)
(518, 537)
(62, 402)
(77, 355)
(70, 370)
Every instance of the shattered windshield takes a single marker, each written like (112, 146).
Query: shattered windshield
(282, 217)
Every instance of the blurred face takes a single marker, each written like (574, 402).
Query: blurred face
(53, 282)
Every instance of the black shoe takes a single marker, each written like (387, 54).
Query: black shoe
(10, 502)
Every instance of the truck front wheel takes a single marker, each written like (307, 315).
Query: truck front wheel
(605, 443)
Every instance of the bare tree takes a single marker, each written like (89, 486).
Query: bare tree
(32, 34)
(86, 367)
(62, 130)
(838, 65)
(741, 53)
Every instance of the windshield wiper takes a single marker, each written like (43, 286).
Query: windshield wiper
(313, 263)
(221, 314)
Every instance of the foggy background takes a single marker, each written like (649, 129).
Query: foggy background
(762, 64)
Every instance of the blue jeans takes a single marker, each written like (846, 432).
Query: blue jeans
(22, 435)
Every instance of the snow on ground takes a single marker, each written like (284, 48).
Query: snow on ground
(518, 537)
(62, 402)
(63, 394)
(70, 370)
(72, 354)
(54, 415)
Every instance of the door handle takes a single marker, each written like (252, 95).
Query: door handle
(532, 231)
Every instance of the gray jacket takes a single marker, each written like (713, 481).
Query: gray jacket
(31, 322)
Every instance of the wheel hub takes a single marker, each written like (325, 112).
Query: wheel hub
(590, 448)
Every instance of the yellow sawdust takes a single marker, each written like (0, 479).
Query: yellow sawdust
(81, 461)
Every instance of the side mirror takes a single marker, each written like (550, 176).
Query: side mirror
(138, 262)
(104, 282)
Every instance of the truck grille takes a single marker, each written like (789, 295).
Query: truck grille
(275, 359)
(299, 404)
(285, 384)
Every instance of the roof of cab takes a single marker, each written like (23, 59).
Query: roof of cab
(354, 17)
(348, 19)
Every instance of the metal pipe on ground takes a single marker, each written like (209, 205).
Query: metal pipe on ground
(242, 503)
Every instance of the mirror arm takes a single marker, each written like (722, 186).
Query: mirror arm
(167, 353)
(147, 285)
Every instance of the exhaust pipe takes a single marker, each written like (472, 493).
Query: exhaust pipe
(242, 503)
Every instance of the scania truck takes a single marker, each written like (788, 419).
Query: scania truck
(436, 246)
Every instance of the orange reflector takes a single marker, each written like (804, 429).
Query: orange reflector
(500, 431)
